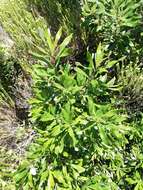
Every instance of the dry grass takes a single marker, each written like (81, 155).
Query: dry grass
(14, 138)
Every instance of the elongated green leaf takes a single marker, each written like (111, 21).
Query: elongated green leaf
(30, 180)
(44, 176)
(103, 135)
(79, 168)
(57, 38)
(40, 57)
(90, 60)
(99, 56)
(51, 182)
(20, 176)
(59, 176)
(64, 44)
(81, 76)
(72, 135)
(110, 64)
(67, 113)
(56, 131)
(46, 117)
(65, 52)
(49, 41)
(91, 106)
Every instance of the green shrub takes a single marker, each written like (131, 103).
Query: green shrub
(81, 138)
(82, 141)
(117, 23)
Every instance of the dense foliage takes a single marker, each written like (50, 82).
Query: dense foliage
(85, 61)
